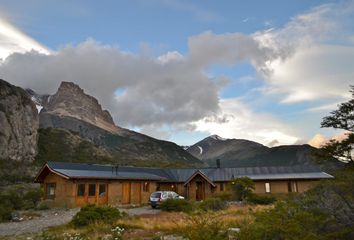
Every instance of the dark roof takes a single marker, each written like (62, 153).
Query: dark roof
(81, 170)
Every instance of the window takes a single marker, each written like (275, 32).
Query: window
(221, 187)
(50, 190)
(292, 186)
(81, 189)
(267, 187)
(102, 190)
(146, 187)
(92, 189)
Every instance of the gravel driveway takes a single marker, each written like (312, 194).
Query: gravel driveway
(55, 217)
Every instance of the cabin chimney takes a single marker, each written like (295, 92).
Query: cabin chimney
(217, 163)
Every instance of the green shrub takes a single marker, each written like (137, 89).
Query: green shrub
(34, 195)
(225, 196)
(261, 199)
(204, 227)
(213, 204)
(5, 212)
(43, 205)
(91, 214)
(176, 205)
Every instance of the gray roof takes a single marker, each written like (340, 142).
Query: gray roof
(81, 170)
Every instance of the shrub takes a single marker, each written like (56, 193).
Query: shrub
(204, 227)
(176, 205)
(214, 204)
(91, 214)
(34, 195)
(242, 187)
(261, 199)
(5, 212)
(43, 205)
(225, 196)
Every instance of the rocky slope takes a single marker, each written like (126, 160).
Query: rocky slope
(18, 124)
(70, 108)
(244, 153)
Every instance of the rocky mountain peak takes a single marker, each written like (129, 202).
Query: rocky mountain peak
(216, 137)
(71, 101)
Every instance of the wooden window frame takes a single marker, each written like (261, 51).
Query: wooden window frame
(47, 187)
(88, 190)
(222, 187)
(146, 186)
(99, 189)
(77, 190)
(267, 187)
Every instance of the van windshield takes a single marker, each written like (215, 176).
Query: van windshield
(156, 195)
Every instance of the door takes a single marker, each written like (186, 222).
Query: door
(199, 191)
(126, 192)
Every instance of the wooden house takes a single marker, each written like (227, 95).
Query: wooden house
(77, 184)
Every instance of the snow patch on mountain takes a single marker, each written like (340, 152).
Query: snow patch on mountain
(200, 150)
(216, 137)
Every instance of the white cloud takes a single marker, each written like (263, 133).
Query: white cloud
(13, 40)
(243, 123)
(313, 62)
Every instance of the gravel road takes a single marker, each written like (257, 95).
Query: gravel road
(55, 217)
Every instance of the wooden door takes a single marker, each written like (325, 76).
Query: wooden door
(126, 192)
(92, 193)
(102, 197)
(199, 191)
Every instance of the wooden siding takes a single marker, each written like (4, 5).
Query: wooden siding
(132, 192)
(64, 191)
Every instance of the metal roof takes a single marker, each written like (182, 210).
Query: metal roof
(81, 170)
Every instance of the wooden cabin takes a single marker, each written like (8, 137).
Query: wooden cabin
(76, 184)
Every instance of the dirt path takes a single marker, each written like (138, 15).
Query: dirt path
(51, 218)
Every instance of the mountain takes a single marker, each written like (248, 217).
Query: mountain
(245, 153)
(19, 123)
(78, 113)
(18, 133)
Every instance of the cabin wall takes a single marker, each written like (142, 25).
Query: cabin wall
(64, 191)
(130, 192)
(281, 186)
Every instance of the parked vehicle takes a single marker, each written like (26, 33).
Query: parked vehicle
(157, 197)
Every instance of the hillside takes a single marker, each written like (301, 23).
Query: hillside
(245, 153)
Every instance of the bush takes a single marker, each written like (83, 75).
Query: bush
(5, 212)
(91, 214)
(261, 199)
(176, 205)
(34, 195)
(204, 227)
(213, 204)
(225, 196)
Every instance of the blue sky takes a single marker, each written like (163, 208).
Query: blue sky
(267, 71)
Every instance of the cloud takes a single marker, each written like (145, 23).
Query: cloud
(13, 40)
(243, 123)
(316, 56)
(319, 140)
(154, 93)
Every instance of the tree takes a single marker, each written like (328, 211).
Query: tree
(342, 118)
(242, 187)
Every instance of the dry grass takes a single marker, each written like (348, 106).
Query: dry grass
(148, 225)
(171, 221)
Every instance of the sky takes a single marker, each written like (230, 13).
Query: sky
(266, 71)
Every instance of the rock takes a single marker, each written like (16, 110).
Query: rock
(18, 124)
(71, 101)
